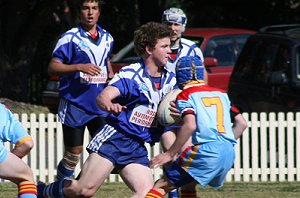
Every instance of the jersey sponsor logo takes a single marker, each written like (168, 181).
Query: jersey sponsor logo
(143, 116)
(98, 79)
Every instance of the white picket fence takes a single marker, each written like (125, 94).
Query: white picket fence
(268, 150)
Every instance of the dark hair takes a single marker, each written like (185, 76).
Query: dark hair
(80, 2)
(148, 34)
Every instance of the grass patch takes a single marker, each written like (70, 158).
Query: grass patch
(229, 190)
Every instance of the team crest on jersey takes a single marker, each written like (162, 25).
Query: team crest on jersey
(143, 87)
(83, 46)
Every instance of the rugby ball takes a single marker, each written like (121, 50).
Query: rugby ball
(163, 113)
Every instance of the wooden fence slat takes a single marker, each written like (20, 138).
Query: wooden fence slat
(51, 147)
(281, 146)
(263, 146)
(272, 144)
(290, 147)
(42, 148)
(297, 143)
(34, 152)
(254, 143)
(246, 150)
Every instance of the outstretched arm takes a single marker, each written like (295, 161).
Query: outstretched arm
(184, 133)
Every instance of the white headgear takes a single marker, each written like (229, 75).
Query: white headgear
(174, 15)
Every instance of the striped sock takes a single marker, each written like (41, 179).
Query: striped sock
(63, 172)
(55, 189)
(188, 194)
(27, 190)
(154, 194)
(174, 194)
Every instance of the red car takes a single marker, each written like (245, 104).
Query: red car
(220, 47)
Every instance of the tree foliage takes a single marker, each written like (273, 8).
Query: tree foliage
(29, 30)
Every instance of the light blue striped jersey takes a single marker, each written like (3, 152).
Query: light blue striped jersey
(187, 48)
(76, 47)
(211, 106)
(139, 94)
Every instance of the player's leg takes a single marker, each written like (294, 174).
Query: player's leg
(160, 188)
(166, 140)
(189, 190)
(174, 177)
(95, 125)
(91, 177)
(14, 169)
(73, 141)
(89, 182)
(138, 178)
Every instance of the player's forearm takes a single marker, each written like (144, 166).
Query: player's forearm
(184, 133)
(105, 98)
(110, 70)
(58, 68)
(239, 126)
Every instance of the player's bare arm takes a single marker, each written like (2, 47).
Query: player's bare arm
(110, 71)
(104, 100)
(183, 135)
(239, 126)
(56, 67)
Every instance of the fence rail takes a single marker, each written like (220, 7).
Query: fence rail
(268, 150)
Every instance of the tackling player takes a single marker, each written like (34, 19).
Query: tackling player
(206, 113)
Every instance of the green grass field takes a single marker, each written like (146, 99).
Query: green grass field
(229, 190)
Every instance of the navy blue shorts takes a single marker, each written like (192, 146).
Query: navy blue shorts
(120, 149)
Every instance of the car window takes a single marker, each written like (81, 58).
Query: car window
(196, 39)
(259, 59)
(240, 41)
(221, 48)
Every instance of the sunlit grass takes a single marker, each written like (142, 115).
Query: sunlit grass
(229, 190)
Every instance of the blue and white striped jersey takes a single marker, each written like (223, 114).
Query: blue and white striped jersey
(139, 94)
(187, 48)
(76, 47)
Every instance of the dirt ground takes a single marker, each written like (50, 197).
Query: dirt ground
(21, 107)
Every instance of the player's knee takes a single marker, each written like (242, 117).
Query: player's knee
(25, 177)
(141, 191)
(76, 189)
(87, 192)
